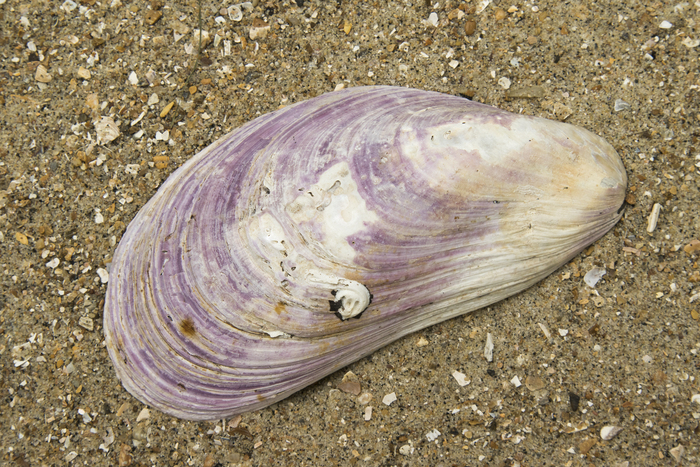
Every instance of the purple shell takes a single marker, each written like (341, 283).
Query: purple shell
(316, 234)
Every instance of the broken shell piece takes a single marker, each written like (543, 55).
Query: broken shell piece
(461, 378)
(593, 276)
(609, 432)
(389, 398)
(653, 217)
(488, 348)
(42, 75)
(259, 29)
(106, 129)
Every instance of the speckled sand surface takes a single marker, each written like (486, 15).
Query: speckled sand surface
(624, 354)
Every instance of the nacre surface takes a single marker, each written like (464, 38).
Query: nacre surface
(316, 234)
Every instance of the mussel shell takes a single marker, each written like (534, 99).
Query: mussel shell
(318, 233)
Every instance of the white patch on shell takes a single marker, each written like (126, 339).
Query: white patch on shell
(491, 140)
(335, 207)
(270, 231)
(268, 239)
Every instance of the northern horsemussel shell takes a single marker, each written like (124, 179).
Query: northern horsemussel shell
(316, 234)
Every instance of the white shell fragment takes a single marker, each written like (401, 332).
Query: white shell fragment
(621, 105)
(653, 217)
(316, 234)
(488, 348)
(593, 276)
(609, 432)
(389, 398)
(461, 378)
(677, 452)
(107, 130)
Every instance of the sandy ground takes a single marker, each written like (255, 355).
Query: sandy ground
(623, 354)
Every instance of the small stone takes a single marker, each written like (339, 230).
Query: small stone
(124, 459)
(350, 387)
(364, 398)
(99, 218)
(259, 29)
(86, 323)
(534, 383)
(84, 73)
(526, 92)
(406, 450)
(574, 400)
(143, 415)
(432, 20)
(677, 452)
(470, 27)
(166, 109)
(609, 432)
(368, 413)
(432, 435)
(692, 247)
(347, 27)
(500, 14)
(389, 398)
(152, 16)
(104, 275)
(133, 78)
(153, 100)
(586, 445)
(42, 75)
(665, 25)
(20, 237)
(516, 382)
(422, 342)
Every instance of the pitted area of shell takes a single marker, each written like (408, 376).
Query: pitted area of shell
(332, 210)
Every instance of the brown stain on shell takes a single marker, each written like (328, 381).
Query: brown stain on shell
(280, 307)
(187, 327)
